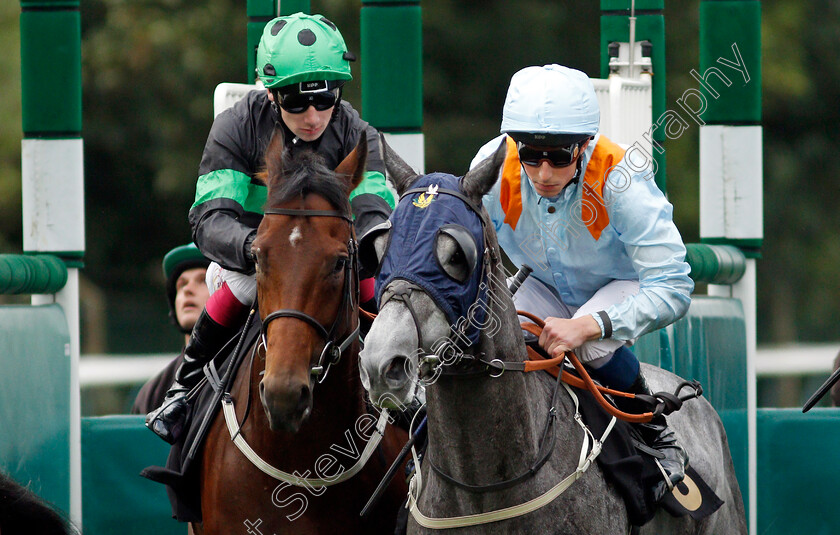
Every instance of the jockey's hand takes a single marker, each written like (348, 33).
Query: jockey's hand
(561, 335)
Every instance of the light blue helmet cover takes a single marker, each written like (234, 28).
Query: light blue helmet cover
(415, 225)
(553, 100)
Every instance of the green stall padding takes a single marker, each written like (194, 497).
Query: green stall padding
(115, 499)
(798, 469)
(709, 344)
(35, 400)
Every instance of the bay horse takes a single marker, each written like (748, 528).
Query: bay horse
(307, 288)
(493, 431)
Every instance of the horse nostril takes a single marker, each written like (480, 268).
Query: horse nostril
(305, 399)
(396, 374)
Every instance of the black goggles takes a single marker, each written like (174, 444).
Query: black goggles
(299, 102)
(557, 156)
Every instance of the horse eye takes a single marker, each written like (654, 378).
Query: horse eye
(340, 264)
(457, 257)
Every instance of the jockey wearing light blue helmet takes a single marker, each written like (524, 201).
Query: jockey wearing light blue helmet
(609, 263)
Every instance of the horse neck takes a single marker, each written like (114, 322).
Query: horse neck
(489, 419)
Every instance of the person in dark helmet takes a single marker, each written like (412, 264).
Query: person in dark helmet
(609, 263)
(185, 272)
(303, 63)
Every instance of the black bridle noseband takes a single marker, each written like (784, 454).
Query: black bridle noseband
(332, 349)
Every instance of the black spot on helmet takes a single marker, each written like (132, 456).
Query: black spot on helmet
(277, 27)
(306, 37)
(269, 69)
(329, 23)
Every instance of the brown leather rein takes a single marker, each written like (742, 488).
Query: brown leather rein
(553, 366)
(584, 382)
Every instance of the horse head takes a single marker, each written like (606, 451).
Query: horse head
(307, 278)
(438, 271)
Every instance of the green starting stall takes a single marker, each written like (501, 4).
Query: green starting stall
(35, 382)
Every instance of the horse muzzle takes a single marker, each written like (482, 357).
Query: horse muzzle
(391, 384)
(287, 402)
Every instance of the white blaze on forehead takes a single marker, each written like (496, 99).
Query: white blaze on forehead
(295, 236)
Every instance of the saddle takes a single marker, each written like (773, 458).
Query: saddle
(181, 473)
(631, 467)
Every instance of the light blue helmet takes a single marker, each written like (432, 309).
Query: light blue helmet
(550, 105)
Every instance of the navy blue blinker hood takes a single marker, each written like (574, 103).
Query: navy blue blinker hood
(415, 226)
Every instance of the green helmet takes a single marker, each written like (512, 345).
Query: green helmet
(302, 48)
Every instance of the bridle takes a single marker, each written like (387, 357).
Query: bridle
(333, 349)
(329, 356)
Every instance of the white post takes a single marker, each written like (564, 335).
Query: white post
(68, 299)
(731, 211)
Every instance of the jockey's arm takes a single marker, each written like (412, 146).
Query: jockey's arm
(372, 202)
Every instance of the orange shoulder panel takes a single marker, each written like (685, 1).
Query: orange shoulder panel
(510, 195)
(593, 208)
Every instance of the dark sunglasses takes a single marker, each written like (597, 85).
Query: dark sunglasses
(300, 102)
(556, 156)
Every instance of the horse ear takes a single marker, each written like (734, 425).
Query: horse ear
(352, 168)
(401, 174)
(273, 158)
(480, 179)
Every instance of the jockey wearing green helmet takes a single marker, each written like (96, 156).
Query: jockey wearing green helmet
(303, 62)
(302, 48)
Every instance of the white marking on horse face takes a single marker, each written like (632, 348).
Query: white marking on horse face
(295, 236)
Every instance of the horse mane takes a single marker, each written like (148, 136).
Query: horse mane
(22, 511)
(302, 174)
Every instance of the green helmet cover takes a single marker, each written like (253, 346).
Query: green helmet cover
(302, 48)
(182, 258)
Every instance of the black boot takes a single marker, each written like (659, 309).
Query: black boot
(656, 434)
(206, 340)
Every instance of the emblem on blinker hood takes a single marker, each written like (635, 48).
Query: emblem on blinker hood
(425, 199)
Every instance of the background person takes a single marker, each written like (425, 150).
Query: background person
(185, 270)
(609, 263)
(303, 62)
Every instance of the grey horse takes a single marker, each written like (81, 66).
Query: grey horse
(483, 430)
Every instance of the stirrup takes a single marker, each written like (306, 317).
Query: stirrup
(666, 485)
(168, 421)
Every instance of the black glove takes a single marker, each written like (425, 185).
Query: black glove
(369, 210)
(246, 249)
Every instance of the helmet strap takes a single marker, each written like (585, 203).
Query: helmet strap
(275, 106)
(337, 101)
(579, 165)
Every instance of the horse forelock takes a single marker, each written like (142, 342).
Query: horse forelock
(303, 174)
